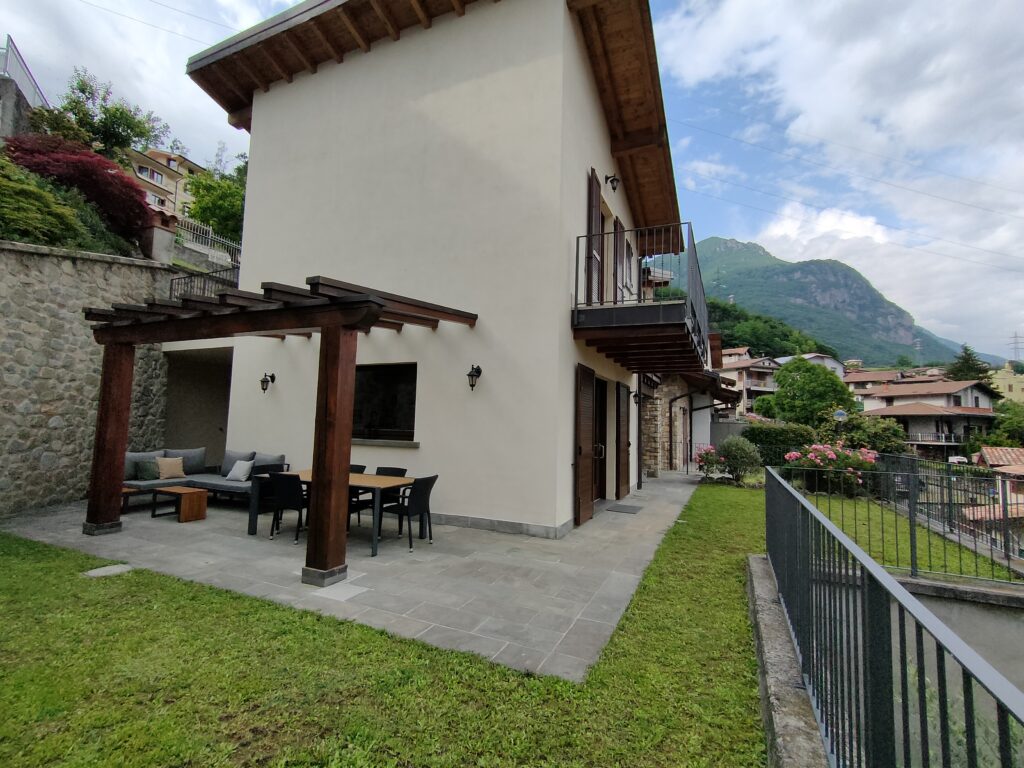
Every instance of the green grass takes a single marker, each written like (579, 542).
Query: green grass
(146, 670)
(885, 536)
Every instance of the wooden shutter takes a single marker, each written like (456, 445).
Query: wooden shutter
(621, 441)
(619, 246)
(584, 464)
(595, 242)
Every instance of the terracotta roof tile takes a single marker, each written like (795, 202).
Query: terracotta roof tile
(994, 456)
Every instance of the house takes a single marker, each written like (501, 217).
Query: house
(753, 377)
(511, 159)
(1009, 383)
(733, 354)
(938, 416)
(818, 359)
(164, 175)
(997, 457)
(860, 383)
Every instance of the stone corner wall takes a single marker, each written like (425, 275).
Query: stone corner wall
(50, 368)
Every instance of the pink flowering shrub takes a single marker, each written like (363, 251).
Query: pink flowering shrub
(709, 462)
(833, 467)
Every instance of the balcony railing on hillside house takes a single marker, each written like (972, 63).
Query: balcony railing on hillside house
(889, 682)
(639, 298)
(204, 284)
(12, 65)
(945, 438)
(201, 237)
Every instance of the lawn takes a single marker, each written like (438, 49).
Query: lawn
(885, 535)
(143, 669)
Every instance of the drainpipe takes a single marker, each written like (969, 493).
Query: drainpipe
(639, 431)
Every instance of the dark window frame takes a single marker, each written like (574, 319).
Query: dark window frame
(385, 402)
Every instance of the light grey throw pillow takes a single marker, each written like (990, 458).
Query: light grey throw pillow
(240, 471)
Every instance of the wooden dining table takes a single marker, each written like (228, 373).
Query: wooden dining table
(376, 484)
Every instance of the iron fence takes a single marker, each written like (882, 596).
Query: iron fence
(12, 65)
(964, 525)
(890, 684)
(205, 284)
(199, 236)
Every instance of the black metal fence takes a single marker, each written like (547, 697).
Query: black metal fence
(205, 284)
(966, 524)
(891, 685)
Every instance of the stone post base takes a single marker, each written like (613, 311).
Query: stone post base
(98, 529)
(319, 578)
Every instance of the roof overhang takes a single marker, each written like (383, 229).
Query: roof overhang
(618, 34)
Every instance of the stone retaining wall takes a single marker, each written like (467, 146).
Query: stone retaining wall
(50, 368)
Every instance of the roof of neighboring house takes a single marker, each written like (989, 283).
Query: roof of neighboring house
(766, 362)
(865, 377)
(995, 456)
(926, 409)
(619, 38)
(993, 512)
(928, 388)
(1011, 469)
(736, 351)
(806, 356)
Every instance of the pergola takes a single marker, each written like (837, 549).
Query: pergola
(335, 309)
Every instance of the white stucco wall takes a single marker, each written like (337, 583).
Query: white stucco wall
(443, 167)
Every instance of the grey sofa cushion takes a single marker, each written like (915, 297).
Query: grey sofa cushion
(194, 459)
(230, 457)
(218, 483)
(131, 458)
(267, 459)
(149, 485)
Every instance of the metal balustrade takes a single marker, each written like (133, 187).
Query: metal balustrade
(891, 685)
(205, 284)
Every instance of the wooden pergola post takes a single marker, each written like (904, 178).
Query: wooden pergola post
(104, 511)
(332, 452)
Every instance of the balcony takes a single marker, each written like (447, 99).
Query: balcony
(639, 299)
(938, 438)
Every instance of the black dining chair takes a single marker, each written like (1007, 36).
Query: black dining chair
(353, 497)
(414, 502)
(288, 494)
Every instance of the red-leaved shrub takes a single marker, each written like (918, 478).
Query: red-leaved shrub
(120, 200)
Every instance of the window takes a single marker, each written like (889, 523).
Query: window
(957, 401)
(144, 171)
(385, 402)
(156, 176)
(156, 199)
(172, 163)
(977, 402)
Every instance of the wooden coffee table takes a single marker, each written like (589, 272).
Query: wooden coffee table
(189, 503)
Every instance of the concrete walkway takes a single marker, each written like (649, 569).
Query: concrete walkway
(542, 605)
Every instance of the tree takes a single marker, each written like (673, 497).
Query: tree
(904, 361)
(804, 390)
(219, 202)
(860, 431)
(765, 406)
(967, 366)
(1009, 425)
(1018, 366)
(89, 114)
(119, 200)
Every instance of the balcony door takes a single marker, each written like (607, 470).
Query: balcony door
(584, 474)
(595, 242)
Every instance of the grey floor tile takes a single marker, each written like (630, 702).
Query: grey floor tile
(385, 601)
(393, 622)
(520, 657)
(556, 622)
(341, 591)
(585, 639)
(459, 640)
(447, 617)
(500, 609)
(568, 667)
(329, 607)
(529, 635)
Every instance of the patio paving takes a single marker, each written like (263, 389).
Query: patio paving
(540, 605)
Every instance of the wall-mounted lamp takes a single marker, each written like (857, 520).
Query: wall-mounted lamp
(267, 380)
(613, 181)
(637, 397)
(473, 375)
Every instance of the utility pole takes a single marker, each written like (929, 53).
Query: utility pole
(1016, 341)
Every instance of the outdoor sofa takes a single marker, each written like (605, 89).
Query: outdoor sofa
(198, 475)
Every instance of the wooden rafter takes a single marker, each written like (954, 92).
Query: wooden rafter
(217, 73)
(459, 7)
(252, 73)
(323, 286)
(385, 18)
(356, 33)
(318, 29)
(421, 13)
(289, 38)
(275, 62)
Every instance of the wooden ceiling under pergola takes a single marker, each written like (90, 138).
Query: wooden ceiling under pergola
(339, 311)
(618, 35)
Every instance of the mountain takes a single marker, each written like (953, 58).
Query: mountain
(824, 298)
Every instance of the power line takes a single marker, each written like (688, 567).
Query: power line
(887, 226)
(851, 232)
(141, 21)
(194, 16)
(919, 166)
(875, 179)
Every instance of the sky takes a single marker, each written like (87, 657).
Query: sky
(886, 135)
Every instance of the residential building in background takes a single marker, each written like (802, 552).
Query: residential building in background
(818, 359)
(1009, 384)
(19, 91)
(164, 176)
(753, 377)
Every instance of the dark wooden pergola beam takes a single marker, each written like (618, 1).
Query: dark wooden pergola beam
(325, 286)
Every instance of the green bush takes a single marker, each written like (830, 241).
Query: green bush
(773, 441)
(739, 457)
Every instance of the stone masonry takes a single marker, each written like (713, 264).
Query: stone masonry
(50, 368)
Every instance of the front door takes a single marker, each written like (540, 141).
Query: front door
(584, 463)
(600, 439)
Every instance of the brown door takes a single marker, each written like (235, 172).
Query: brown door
(621, 441)
(584, 464)
(595, 242)
(600, 439)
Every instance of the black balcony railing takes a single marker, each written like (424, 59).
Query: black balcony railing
(205, 284)
(640, 267)
(891, 685)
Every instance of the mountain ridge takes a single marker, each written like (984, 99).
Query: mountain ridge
(826, 299)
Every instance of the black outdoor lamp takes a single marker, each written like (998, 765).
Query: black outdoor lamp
(613, 181)
(637, 397)
(473, 375)
(267, 380)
